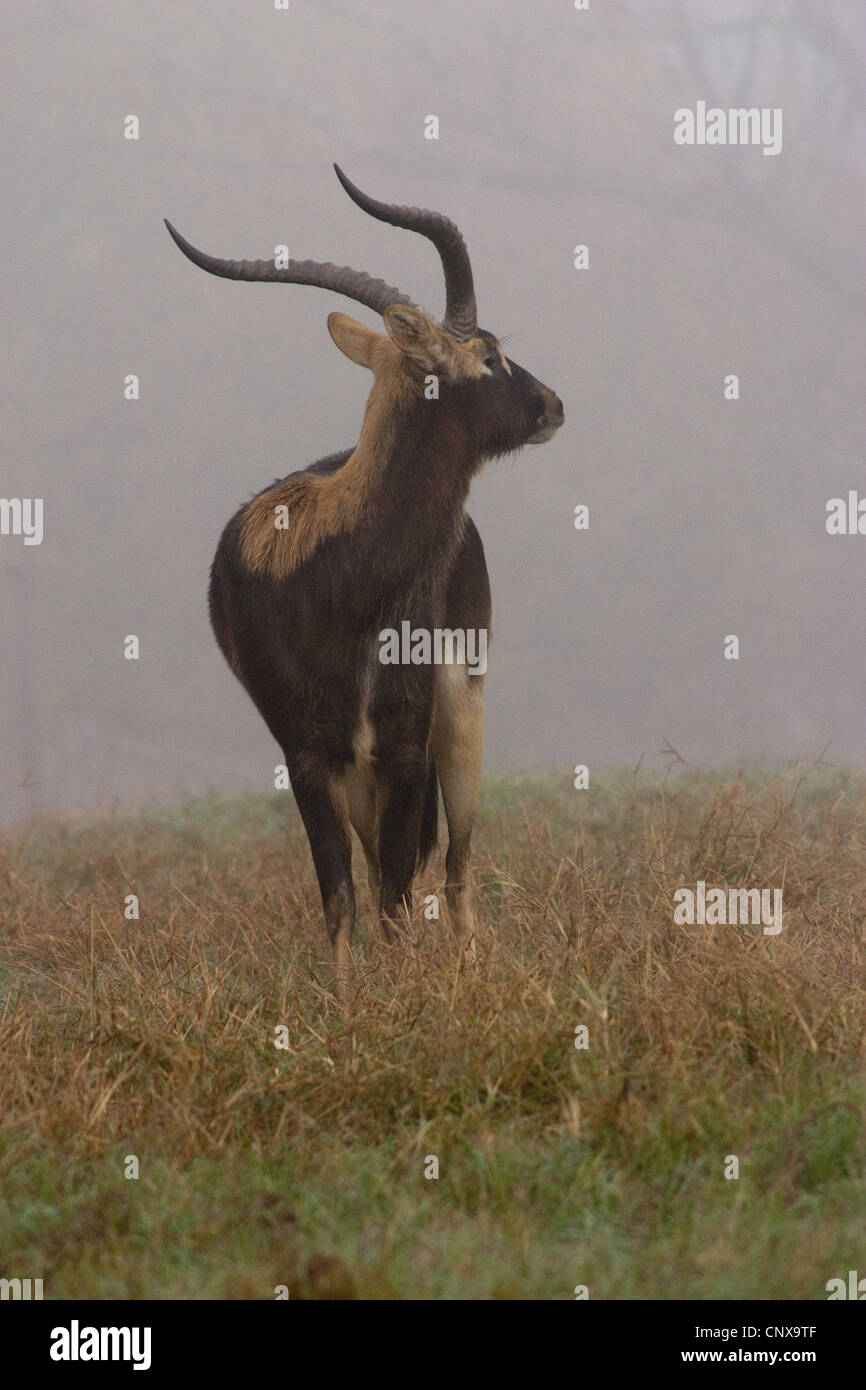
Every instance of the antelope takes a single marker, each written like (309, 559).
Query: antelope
(309, 574)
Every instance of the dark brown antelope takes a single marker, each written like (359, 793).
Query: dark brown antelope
(312, 573)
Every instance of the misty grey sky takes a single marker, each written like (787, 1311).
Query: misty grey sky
(556, 128)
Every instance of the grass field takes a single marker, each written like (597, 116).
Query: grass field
(558, 1167)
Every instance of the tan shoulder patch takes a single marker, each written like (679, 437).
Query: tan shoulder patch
(283, 527)
(278, 528)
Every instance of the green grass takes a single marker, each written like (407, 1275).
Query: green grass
(557, 1167)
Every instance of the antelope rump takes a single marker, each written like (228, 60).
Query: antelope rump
(309, 573)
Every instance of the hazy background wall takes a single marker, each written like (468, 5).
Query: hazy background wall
(707, 516)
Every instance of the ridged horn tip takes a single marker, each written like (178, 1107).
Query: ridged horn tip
(460, 312)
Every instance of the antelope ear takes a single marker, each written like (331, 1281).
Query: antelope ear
(353, 339)
(414, 334)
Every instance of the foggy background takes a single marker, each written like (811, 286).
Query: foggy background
(707, 516)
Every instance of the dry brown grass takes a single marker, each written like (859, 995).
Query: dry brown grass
(557, 1166)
